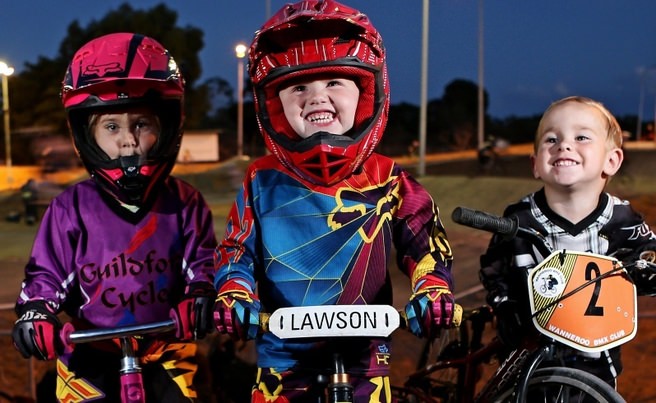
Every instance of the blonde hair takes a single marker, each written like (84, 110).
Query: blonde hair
(614, 136)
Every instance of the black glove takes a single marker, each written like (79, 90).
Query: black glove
(36, 332)
(193, 315)
(509, 323)
(644, 277)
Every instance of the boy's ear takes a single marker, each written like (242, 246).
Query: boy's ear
(536, 175)
(613, 161)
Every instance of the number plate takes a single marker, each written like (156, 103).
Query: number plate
(597, 317)
(334, 321)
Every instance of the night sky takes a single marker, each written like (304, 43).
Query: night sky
(534, 51)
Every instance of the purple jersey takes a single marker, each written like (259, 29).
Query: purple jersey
(311, 245)
(110, 271)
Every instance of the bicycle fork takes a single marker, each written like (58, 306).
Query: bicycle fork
(515, 372)
(132, 387)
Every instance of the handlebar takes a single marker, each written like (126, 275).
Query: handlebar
(485, 221)
(508, 227)
(339, 320)
(71, 336)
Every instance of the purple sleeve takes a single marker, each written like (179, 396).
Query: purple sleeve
(199, 237)
(421, 242)
(49, 272)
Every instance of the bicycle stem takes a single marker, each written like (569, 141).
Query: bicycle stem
(132, 387)
(340, 389)
(129, 361)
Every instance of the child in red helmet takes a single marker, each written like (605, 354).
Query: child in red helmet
(132, 245)
(316, 221)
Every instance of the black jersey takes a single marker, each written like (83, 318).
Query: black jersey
(612, 229)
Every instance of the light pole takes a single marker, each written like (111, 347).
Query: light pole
(643, 72)
(6, 71)
(240, 51)
(423, 94)
(481, 91)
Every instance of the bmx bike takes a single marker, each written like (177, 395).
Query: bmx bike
(579, 301)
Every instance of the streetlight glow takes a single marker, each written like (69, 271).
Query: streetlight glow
(240, 51)
(6, 71)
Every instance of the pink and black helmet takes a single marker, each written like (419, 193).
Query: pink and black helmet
(309, 39)
(123, 70)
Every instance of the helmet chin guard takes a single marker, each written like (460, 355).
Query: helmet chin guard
(117, 72)
(133, 178)
(320, 39)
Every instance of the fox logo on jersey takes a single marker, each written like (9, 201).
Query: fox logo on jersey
(353, 205)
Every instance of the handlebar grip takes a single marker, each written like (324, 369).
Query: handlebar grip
(264, 321)
(485, 221)
(455, 322)
(457, 315)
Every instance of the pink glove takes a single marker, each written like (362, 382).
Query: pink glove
(430, 308)
(237, 310)
(193, 314)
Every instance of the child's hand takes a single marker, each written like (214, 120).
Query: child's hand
(509, 324)
(193, 314)
(644, 276)
(36, 332)
(430, 308)
(237, 311)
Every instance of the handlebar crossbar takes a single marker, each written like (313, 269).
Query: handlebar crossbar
(90, 335)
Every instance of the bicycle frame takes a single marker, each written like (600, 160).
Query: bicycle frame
(132, 386)
(463, 355)
(467, 368)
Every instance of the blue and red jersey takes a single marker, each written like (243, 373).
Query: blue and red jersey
(302, 244)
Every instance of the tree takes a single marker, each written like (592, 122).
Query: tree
(460, 109)
(402, 129)
(35, 92)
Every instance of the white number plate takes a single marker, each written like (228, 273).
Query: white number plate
(334, 321)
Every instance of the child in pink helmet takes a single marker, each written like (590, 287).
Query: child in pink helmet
(131, 245)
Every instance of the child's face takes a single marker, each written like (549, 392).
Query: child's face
(121, 134)
(573, 149)
(320, 105)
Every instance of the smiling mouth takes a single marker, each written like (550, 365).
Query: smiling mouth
(565, 163)
(320, 118)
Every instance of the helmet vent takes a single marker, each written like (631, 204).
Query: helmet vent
(325, 166)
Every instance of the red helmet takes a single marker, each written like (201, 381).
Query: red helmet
(125, 70)
(313, 38)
